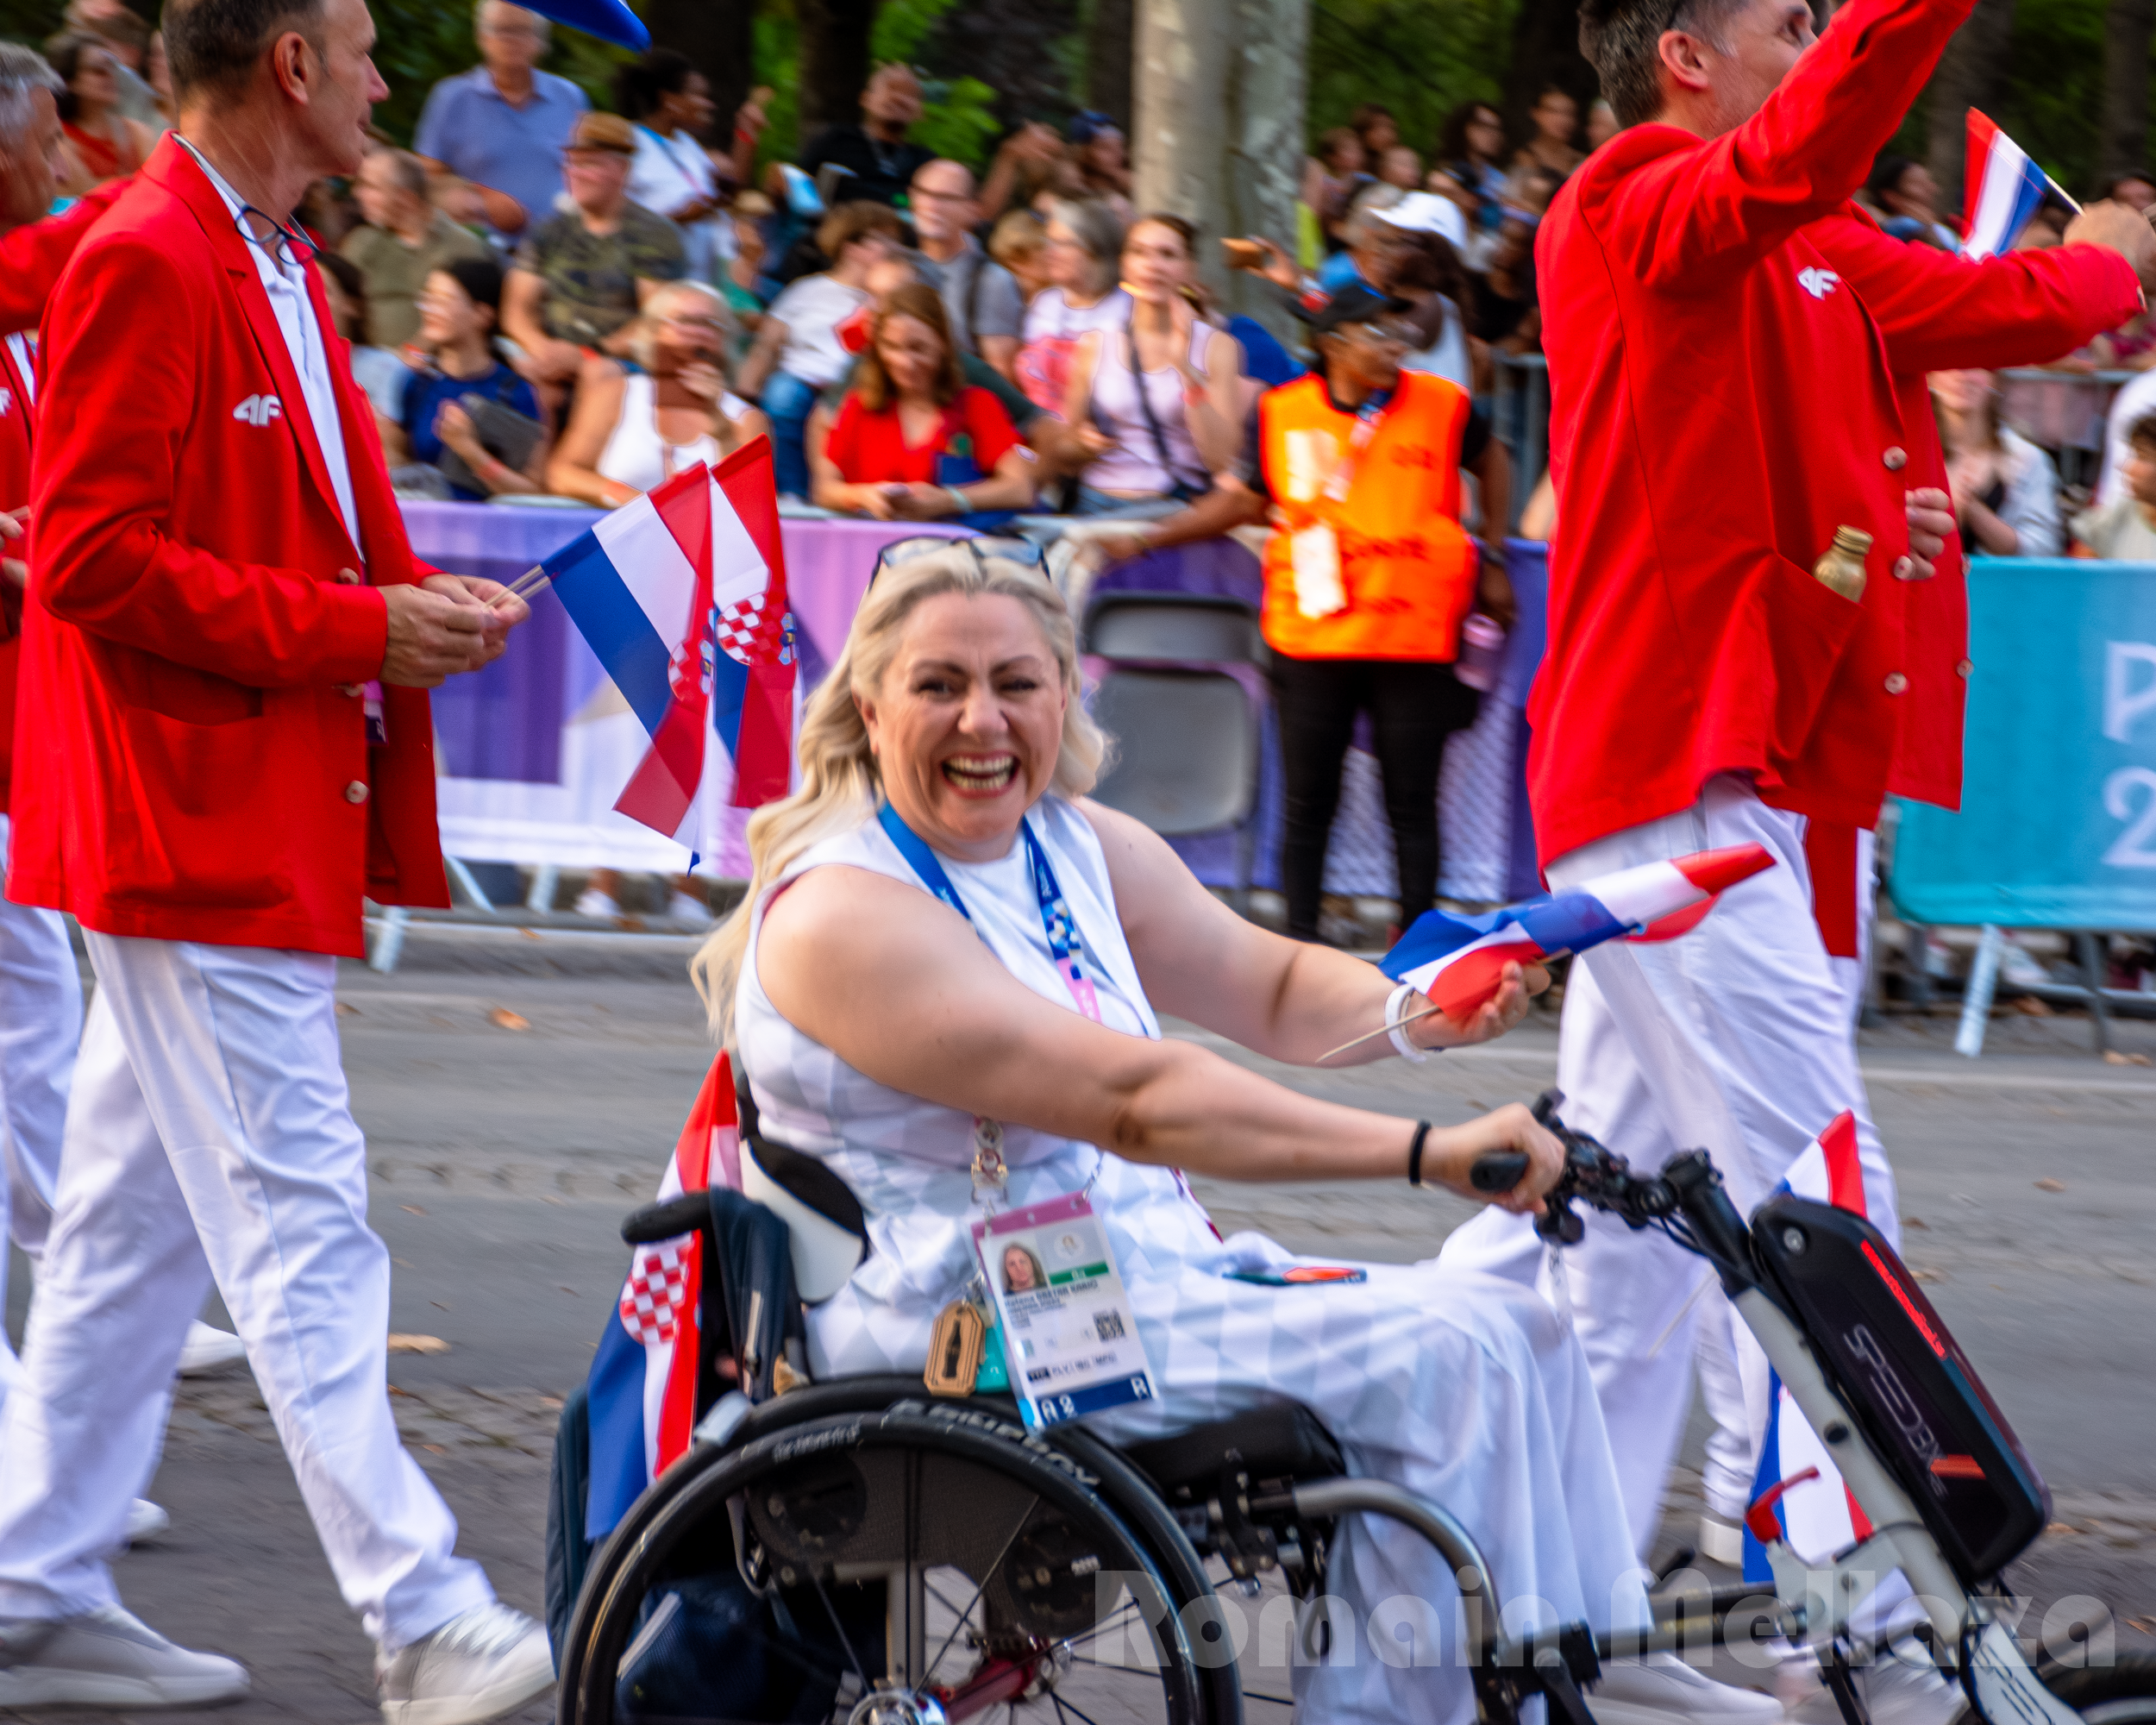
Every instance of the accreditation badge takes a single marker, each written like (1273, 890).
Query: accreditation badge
(1068, 1333)
(1315, 555)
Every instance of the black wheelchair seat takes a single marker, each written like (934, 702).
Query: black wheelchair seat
(1228, 1484)
(1282, 1442)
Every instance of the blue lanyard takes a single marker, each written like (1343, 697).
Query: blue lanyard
(1065, 944)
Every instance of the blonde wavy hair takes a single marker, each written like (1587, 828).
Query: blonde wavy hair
(841, 787)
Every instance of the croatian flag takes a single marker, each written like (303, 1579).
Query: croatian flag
(1818, 1517)
(641, 1392)
(2001, 188)
(681, 594)
(1459, 962)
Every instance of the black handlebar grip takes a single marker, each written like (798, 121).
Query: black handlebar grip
(1499, 1171)
(656, 1222)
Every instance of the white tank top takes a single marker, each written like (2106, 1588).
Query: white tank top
(637, 456)
(1134, 465)
(908, 1161)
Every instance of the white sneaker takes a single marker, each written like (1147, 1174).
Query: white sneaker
(209, 1350)
(594, 903)
(1897, 1688)
(1659, 1689)
(1722, 1541)
(145, 1520)
(109, 1659)
(475, 1667)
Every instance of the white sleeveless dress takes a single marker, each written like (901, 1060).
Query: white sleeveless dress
(1463, 1388)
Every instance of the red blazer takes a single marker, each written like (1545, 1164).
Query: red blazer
(199, 773)
(31, 259)
(1735, 370)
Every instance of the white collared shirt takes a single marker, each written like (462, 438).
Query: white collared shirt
(286, 286)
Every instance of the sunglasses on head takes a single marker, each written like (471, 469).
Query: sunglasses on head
(982, 545)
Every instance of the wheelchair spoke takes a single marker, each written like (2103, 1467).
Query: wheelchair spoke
(831, 1611)
(1276, 1700)
(1066, 1709)
(1106, 1624)
(981, 1586)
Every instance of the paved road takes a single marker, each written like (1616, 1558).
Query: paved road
(502, 1160)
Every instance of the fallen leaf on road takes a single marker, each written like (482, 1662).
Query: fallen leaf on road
(2029, 1006)
(347, 1010)
(2146, 1625)
(2051, 1185)
(1916, 1222)
(404, 1343)
(2062, 1528)
(529, 933)
(507, 1019)
(563, 1288)
(549, 1401)
(437, 1305)
(1928, 1275)
(434, 1449)
(411, 1209)
(2112, 1057)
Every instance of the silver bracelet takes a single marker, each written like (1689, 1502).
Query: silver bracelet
(1405, 1049)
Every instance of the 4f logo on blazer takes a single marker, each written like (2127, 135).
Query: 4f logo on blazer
(258, 410)
(1818, 282)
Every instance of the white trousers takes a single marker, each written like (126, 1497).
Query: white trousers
(210, 1135)
(40, 1022)
(1736, 1038)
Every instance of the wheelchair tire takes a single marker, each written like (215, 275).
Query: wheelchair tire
(2120, 1693)
(842, 1501)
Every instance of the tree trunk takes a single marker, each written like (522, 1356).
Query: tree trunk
(719, 38)
(1218, 136)
(1972, 74)
(2128, 25)
(1545, 50)
(834, 69)
(1111, 46)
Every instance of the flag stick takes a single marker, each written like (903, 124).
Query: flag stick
(527, 585)
(1387, 1029)
(2059, 192)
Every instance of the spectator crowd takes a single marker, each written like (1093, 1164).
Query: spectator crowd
(548, 299)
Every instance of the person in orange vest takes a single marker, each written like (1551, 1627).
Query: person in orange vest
(1369, 574)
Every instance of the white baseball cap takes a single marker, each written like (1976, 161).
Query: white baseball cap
(1425, 212)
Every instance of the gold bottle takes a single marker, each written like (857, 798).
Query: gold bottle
(1842, 567)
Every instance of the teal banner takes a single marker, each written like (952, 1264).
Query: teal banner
(2058, 823)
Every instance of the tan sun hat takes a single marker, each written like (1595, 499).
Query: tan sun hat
(595, 131)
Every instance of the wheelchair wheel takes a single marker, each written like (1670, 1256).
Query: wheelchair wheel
(923, 1563)
(2122, 1693)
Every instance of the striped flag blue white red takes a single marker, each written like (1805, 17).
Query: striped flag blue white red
(681, 594)
(2001, 188)
(1458, 962)
(1818, 1517)
(642, 1391)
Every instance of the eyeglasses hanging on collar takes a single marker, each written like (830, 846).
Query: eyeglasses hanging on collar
(287, 246)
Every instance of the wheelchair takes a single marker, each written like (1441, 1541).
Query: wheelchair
(862, 1551)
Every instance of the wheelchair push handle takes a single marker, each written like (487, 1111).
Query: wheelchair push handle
(654, 1222)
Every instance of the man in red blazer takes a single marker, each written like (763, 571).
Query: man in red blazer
(224, 660)
(1735, 363)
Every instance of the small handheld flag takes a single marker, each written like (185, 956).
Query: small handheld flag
(681, 594)
(1459, 962)
(2002, 189)
(643, 1383)
(1817, 1513)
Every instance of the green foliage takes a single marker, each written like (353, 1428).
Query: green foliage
(1420, 58)
(957, 116)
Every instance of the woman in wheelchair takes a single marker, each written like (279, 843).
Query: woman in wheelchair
(943, 987)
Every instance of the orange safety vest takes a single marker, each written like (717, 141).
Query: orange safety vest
(1384, 571)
